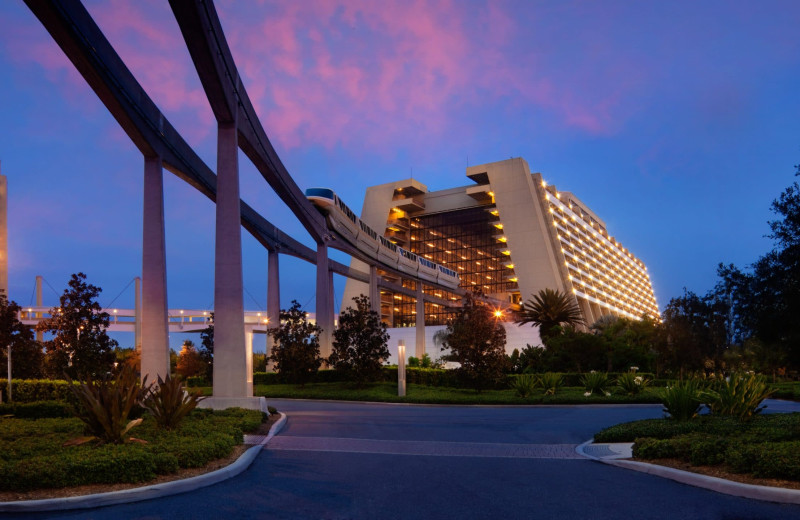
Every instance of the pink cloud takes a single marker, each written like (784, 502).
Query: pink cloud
(359, 72)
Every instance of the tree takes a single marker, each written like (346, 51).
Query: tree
(189, 361)
(207, 349)
(26, 353)
(695, 331)
(295, 352)
(476, 339)
(548, 310)
(80, 344)
(360, 342)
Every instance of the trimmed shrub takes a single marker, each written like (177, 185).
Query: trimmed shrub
(37, 410)
(30, 390)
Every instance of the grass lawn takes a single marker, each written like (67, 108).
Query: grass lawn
(387, 392)
(34, 455)
(765, 446)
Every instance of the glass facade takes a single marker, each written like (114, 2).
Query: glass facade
(469, 241)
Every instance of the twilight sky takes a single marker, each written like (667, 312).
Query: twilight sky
(676, 122)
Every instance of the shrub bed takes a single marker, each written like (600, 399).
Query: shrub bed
(34, 456)
(766, 446)
(387, 392)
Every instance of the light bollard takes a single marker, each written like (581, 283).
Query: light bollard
(401, 368)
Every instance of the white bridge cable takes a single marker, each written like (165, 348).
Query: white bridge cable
(120, 293)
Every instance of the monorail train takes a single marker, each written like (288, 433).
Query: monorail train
(342, 220)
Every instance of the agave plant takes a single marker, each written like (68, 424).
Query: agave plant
(738, 396)
(595, 382)
(524, 385)
(105, 405)
(632, 384)
(551, 382)
(683, 400)
(168, 402)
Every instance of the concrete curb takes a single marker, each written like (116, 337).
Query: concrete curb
(720, 485)
(450, 405)
(146, 492)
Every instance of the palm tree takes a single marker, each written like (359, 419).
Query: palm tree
(548, 310)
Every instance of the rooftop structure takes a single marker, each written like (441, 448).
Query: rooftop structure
(509, 234)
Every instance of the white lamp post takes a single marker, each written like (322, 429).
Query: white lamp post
(401, 368)
(8, 350)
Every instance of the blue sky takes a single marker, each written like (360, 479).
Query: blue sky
(676, 122)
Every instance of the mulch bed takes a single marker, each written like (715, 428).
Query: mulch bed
(721, 472)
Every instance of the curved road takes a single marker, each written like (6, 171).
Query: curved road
(372, 461)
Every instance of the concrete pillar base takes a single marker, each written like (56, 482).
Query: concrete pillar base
(221, 403)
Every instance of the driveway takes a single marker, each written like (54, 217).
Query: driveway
(373, 461)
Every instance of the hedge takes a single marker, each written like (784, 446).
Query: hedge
(33, 455)
(36, 410)
(29, 390)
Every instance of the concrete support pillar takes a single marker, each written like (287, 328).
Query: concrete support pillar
(419, 349)
(374, 294)
(39, 334)
(273, 297)
(155, 335)
(324, 301)
(230, 352)
(137, 314)
(248, 344)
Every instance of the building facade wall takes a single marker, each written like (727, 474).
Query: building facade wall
(550, 239)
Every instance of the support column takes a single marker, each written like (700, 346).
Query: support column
(39, 334)
(137, 314)
(248, 346)
(273, 297)
(155, 336)
(374, 294)
(419, 349)
(324, 301)
(230, 352)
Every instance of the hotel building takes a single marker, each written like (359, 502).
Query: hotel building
(510, 234)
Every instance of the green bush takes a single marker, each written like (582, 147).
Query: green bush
(169, 403)
(738, 396)
(30, 390)
(36, 410)
(33, 456)
(524, 385)
(195, 381)
(632, 384)
(683, 400)
(551, 382)
(595, 382)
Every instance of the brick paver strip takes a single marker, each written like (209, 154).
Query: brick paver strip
(445, 449)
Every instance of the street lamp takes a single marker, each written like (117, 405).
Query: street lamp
(10, 395)
(401, 368)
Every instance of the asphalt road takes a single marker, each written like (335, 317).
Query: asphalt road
(370, 461)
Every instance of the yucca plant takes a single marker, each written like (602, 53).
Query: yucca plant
(683, 400)
(168, 402)
(551, 382)
(631, 384)
(105, 405)
(595, 382)
(738, 396)
(524, 385)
